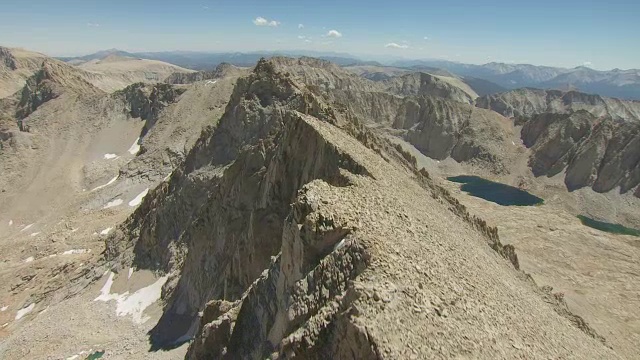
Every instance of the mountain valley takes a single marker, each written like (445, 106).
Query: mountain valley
(294, 207)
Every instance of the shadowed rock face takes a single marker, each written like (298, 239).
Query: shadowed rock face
(7, 59)
(597, 152)
(593, 138)
(145, 101)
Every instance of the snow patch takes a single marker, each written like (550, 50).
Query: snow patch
(5, 325)
(113, 203)
(110, 156)
(167, 177)
(27, 227)
(106, 231)
(35, 234)
(24, 311)
(209, 82)
(76, 251)
(132, 304)
(11, 221)
(105, 185)
(29, 259)
(4, 308)
(130, 273)
(138, 199)
(73, 357)
(135, 147)
(514, 144)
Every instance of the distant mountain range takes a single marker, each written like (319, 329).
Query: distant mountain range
(624, 84)
(208, 61)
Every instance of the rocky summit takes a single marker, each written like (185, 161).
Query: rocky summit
(301, 209)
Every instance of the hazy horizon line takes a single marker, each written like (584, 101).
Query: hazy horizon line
(361, 57)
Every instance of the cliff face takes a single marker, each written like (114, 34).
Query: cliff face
(593, 138)
(145, 101)
(523, 103)
(597, 152)
(441, 129)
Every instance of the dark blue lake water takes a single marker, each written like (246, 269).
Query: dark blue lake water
(608, 227)
(495, 192)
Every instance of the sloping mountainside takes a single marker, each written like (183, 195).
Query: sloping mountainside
(222, 70)
(426, 84)
(116, 72)
(528, 102)
(16, 66)
(297, 233)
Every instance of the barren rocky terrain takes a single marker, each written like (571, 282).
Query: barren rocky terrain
(299, 210)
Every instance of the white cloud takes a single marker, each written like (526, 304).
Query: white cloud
(93, 24)
(396, 46)
(426, 38)
(587, 63)
(260, 21)
(300, 26)
(307, 41)
(301, 37)
(334, 34)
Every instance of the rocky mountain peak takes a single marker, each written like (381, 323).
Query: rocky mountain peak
(52, 80)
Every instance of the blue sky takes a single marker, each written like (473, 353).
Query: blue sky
(559, 33)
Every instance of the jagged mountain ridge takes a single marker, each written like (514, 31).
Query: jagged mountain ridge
(324, 294)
